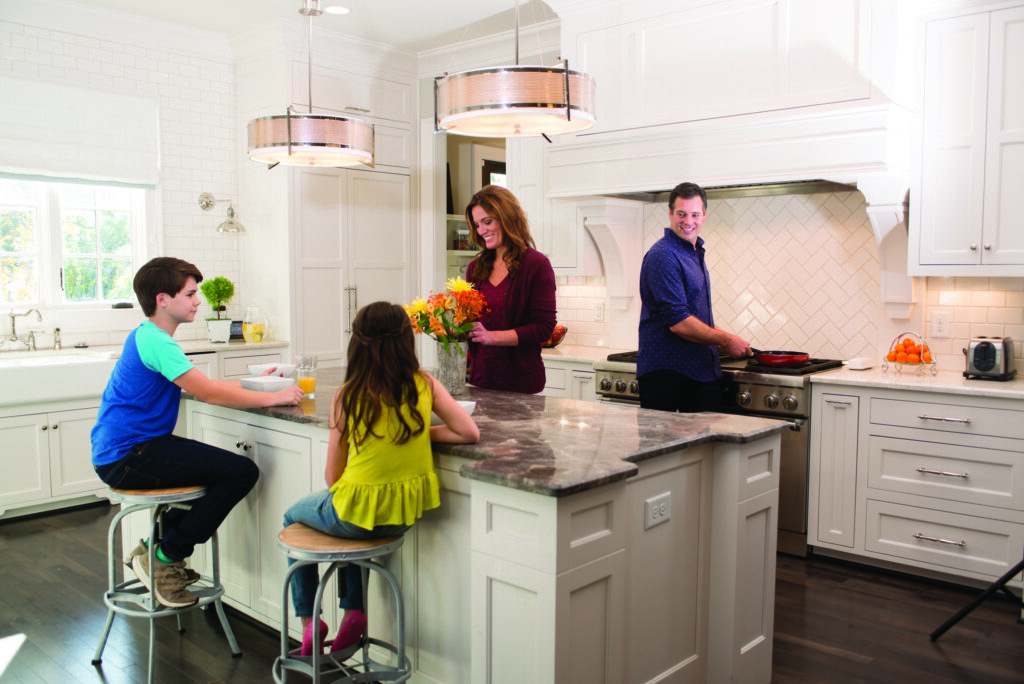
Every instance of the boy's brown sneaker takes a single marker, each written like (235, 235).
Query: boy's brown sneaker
(170, 581)
(191, 576)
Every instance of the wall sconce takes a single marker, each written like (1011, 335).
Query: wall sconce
(229, 225)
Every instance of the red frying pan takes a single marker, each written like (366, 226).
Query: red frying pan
(779, 358)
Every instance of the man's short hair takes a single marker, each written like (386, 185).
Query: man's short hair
(162, 274)
(687, 191)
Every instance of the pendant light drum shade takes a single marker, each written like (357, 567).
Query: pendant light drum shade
(310, 140)
(514, 101)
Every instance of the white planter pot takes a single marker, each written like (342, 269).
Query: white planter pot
(219, 330)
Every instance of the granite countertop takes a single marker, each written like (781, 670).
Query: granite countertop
(554, 446)
(947, 381)
(578, 353)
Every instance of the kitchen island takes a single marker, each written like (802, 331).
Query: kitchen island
(576, 542)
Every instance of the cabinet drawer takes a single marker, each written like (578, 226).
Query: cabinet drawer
(238, 366)
(948, 541)
(955, 418)
(989, 477)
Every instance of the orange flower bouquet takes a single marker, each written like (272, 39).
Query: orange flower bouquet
(448, 316)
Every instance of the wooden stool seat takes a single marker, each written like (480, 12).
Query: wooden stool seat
(304, 543)
(157, 496)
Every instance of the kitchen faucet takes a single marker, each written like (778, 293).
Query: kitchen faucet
(30, 341)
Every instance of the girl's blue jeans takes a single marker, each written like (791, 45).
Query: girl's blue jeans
(317, 511)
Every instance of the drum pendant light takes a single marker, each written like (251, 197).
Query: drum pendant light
(310, 139)
(514, 101)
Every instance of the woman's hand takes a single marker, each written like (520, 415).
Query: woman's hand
(500, 338)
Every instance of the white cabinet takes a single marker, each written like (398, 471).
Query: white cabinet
(235, 364)
(569, 379)
(352, 244)
(252, 567)
(968, 220)
(925, 480)
(46, 458)
(834, 435)
(752, 57)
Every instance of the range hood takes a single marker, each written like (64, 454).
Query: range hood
(715, 192)
(856, 148)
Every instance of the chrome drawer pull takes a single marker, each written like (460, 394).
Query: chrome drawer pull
(944, 473)
(836, 402)
(921, 537)
(965, 421)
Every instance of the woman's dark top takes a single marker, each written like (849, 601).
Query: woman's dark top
(524, 302)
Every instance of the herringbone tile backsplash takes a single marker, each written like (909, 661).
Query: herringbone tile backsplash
(793, 272)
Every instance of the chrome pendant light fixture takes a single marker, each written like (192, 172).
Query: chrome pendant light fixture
(514, 101)
(310, 139)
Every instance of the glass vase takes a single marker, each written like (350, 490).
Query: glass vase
(451, 367)
(254, 326)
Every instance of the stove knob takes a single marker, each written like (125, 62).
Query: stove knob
(604, 385)
(771, 401)
(790, 403)
(620, 386)
(634, 388)
(743, 398)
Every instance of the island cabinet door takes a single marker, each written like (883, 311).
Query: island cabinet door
(236, 533)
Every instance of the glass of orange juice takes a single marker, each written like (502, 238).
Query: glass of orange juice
(305, 371)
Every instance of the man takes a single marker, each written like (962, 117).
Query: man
(132, 444)
(677, 365)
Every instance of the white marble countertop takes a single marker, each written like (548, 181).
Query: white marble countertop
(948, 381)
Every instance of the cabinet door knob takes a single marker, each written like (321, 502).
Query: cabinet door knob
(988, 245)
(974, 247)
(55, 426)
(44, 427)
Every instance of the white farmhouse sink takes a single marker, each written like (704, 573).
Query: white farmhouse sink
(45, 376)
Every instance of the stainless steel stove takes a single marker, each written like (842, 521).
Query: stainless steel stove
(750, 388)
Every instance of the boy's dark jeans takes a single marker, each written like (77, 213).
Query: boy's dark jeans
(172, 461)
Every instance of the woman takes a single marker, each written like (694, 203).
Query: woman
(518, 285)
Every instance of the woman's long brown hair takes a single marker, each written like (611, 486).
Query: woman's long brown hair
(382, 367)
(502, 205)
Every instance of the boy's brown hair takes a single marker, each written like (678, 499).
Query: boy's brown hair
(162, 274)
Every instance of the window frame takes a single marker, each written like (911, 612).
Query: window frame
(49, 237)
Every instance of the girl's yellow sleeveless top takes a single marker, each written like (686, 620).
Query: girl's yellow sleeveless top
(386, 483)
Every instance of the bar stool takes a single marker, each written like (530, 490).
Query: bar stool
(130, 597)
(308, 546)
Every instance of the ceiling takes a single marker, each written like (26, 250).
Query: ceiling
(422, 25)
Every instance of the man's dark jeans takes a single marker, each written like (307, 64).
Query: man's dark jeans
(172, 461)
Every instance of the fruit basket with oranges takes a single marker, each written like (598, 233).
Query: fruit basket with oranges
(909, 350)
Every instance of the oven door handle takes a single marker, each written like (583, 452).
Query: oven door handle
(797, 424)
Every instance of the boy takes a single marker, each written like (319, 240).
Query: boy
(132, 444)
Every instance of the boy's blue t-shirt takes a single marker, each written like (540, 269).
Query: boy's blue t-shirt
(141, 400)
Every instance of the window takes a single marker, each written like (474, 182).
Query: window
(69, 244)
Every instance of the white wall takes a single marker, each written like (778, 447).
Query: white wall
(190, 75)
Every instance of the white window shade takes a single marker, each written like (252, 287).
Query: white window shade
(59, 130)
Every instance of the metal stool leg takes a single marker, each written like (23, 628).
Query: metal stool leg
(999, 584)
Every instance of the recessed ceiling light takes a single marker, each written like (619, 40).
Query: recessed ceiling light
(336, 9)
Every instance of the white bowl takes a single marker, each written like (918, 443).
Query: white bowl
(267, 383)
(468, 405)
(284, 370)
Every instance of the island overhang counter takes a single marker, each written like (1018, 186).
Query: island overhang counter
(576, 542)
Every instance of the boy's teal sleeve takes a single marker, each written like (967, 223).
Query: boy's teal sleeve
(160, 353)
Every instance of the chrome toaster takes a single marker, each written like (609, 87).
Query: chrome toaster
(990, 357)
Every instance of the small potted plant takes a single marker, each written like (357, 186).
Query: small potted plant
(218, 292)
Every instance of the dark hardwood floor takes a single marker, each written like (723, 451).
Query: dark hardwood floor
(835, 623)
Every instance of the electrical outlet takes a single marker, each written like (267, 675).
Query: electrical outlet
(599, 311)
(940, 324)
(657, 510)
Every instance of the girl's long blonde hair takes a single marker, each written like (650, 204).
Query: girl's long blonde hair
(382, 368)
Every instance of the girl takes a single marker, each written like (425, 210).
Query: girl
(380, 470)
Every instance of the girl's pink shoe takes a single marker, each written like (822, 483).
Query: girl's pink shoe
(353, 627)
(307, 640)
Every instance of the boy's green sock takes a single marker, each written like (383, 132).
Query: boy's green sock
(162, 558)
